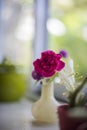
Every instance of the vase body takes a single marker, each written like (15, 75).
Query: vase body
(45, 109)
(70, 123)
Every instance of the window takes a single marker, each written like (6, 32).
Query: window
(67, 27)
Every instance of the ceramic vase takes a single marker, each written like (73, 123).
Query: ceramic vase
(45, 109)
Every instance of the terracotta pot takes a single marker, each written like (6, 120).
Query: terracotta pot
(70, 123)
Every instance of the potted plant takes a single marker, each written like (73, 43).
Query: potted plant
(73, 115)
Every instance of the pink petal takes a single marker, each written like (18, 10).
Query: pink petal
(61, 65)
(59, 56)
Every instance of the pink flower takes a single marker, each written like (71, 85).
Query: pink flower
(48, 64)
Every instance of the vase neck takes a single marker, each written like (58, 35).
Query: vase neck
(47, 90)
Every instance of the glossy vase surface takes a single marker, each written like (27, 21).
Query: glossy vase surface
(45, 109)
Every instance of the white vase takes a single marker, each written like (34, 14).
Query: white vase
(45, 109)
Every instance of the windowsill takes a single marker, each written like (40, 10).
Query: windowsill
(17, 116)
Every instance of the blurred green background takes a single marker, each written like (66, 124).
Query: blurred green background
(66, 26)
(71, 17)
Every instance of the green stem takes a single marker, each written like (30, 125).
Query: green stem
(74, 94)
